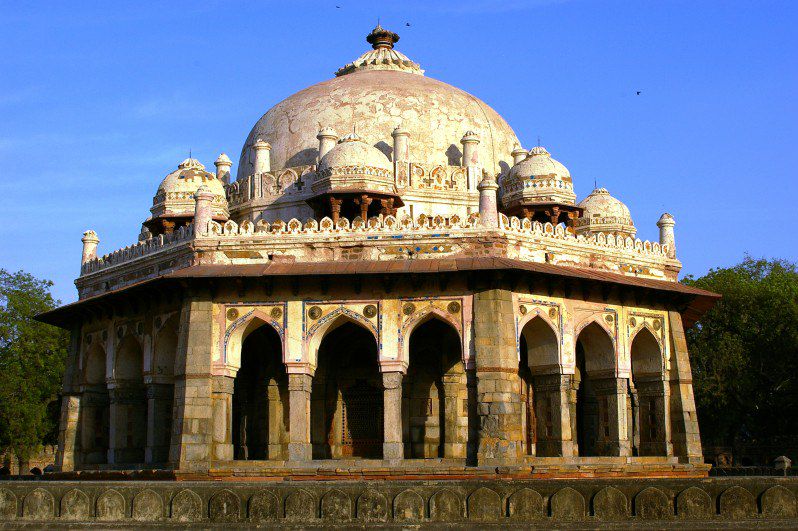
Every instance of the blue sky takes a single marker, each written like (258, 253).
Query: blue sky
(100, 100)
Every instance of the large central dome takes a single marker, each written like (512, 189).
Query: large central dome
(375, 93)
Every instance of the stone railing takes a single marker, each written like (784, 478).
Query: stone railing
(143, 248)
(426, 226)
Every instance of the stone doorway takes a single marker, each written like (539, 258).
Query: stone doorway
(260, 399)
(346, 411)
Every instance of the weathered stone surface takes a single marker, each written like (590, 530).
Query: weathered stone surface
(526, 504)
(484, 504)
(736, 502)
(567, 504)
(300, 505)
(778, 502)
(335, 505)
(38, 505)
(75, 505)
(694, 502)
(224, 507)
(445, 506)
(110, 506)
(186, 506)
(409, 506)
(653, 504)
(372, 506)
(610, 504)
(8, 505)
(147, 506)
(263, 506)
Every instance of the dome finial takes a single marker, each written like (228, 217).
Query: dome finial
(381, 38)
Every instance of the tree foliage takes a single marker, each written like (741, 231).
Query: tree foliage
(32, 357)
(744, 354)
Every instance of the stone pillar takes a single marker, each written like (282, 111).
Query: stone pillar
(401, 148)
(392, 447)
(68, 444)
(203, 213)
(488, 206)
(223, 165)
(684, 421)
(192, 427)
(500, 427)
(553, 415)
(222, 400)
(299, 447)
(128, 412)
(326, 137)
(518, 154)
(653, 417)
(263, 156)
(613, 437)
(454, 392)
(90, 242)
(666, 234)
(159, 422)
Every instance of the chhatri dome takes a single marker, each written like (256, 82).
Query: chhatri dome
(604, 213)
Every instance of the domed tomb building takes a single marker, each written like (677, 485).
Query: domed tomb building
(389, 281)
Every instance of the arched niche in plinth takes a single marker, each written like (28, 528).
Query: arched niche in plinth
(436, 410)
(128, 403)
(596, 386)
(161, 391)
(648, 396)
(260, 396)
(539, 362)
(346, 412)
(93, 418)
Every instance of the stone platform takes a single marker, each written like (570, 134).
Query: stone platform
(478, 503)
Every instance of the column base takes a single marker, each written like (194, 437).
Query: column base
(393, 451)
(298, 452)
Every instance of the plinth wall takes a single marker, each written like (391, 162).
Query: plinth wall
(750, 502)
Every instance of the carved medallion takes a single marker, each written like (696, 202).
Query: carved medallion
(370, 311)
(609, 318)
(453, 307)
(657, 324)
(276, 313)
(232, 314)
(522, 309)
(632, 322)
(552, 313)
(409, 308)
(314, 312)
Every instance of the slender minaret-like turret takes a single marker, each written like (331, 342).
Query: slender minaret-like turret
(263, 156)
(401, 147)
(488, 208)
(518, 154)
(202, 210)
(223, 165)
(666, 235)
(90, 241)
(470, 143)
(326, 137)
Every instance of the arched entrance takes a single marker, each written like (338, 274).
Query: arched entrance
(94, 418)
(128, 403)
(648, 394)
(596, 397)
(434, 394)
(346, 409)
(538, 371)
(260, 398)
(160, 393)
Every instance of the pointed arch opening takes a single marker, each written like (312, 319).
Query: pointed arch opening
(161, 392)
(648, 402)
(595, 369)
(539, 355)
(260, 397)
(94, 418)
(128, 403)
(346, 399)
(435, 403)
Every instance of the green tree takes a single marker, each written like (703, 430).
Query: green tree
(32, 357)
(744, 354)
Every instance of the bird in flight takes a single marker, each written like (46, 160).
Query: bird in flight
(407, 24)
(639, 92)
